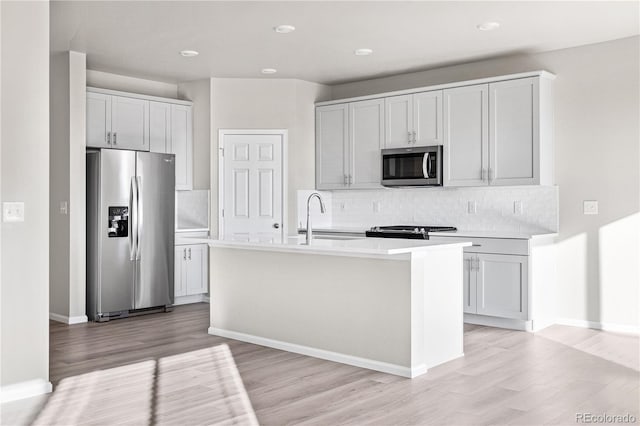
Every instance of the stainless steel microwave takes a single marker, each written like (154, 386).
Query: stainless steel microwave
(415, 166)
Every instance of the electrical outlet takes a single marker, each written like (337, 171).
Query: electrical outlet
(517, 208)
(13, 212)
(590, 207)
(376, 206)
(64, 207)
(472, 207)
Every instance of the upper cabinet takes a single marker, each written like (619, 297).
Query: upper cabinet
(117, 122)
(466, 136)
(494, 131)
(499, 133)
(413, 120)
(348, 142)
(143, 123)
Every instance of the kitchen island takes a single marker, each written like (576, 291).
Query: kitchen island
(385, 304)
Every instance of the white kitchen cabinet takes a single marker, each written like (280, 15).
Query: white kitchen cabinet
(160, 127)
(348, 142)
(413, 120)
(98, 120)
(332, 146)
(466, 136)
(191, 270)
(514, 143)
(502, 285)
(129, 123)
(366, 133)
(182, 145)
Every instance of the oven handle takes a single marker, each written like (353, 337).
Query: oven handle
(425, 165)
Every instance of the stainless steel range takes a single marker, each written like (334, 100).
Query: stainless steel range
(406, 231)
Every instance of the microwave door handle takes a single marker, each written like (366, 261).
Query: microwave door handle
(425, 165)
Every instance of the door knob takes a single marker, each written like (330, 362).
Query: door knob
(276, 225)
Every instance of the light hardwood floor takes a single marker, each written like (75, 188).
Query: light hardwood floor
(505, 377)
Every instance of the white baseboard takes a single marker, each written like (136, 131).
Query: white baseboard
(68, 320)
(596, 325)
(25, 389)
(371, 364)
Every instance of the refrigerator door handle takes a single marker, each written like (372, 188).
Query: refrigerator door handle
(139, 214)
(133, 215)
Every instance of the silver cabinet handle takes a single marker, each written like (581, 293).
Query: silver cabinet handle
(108, 138)
(409, 137)
(425, 160)
(414, 136)
(346, 181)
(184, 254)
(115, 138)
(350, 179)
(189, 253)
(476, 245)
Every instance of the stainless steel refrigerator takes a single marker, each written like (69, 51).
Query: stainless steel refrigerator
(130, 232)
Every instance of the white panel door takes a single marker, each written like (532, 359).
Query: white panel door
(130, 123)
(196, 269)
(98, 120)
(182, 145)
(466, 147)
(252, 170)
(514, 144)
(398, 121)
(366, 133)
(469, 281)
(502, 286)
(427, 118)
(179, 271)
(332, 142)
(160, 127)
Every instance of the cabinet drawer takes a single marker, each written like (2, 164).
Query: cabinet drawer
(490, 245)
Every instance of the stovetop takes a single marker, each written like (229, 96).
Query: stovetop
(406, 231)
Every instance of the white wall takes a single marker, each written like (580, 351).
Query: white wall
(199, 92)
(268, 104)
(596, 158)
(25, 177)
(106, 80)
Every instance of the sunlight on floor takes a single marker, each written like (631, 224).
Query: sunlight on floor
(193, 387)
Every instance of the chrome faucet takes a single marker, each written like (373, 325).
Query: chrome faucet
(322, 210)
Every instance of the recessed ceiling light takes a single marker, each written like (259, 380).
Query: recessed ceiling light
(488, 26)
(284, 29)
(269, 71)
(189, 53)
(363, 52)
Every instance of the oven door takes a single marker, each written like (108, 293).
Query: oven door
(419, 166)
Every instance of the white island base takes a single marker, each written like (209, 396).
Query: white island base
(393, 306)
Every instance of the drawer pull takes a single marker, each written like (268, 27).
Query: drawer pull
(476, 245)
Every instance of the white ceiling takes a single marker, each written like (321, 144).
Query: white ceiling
(236, 38)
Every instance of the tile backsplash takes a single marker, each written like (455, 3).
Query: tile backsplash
(515, 209)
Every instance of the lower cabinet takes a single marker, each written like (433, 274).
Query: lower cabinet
(191, 271)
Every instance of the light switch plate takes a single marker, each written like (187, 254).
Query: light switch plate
(64, 207)
(13, 211)
(471, 207)
(590, 207)
(376, 206)
(517, 208)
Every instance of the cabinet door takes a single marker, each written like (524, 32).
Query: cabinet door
(160, 127)
(179, 271)
(366, 133)
(196, 280)
(466, 133)
(514, 144)
(332, 141)
(469, 281)
(398, 121)
(130, 123)
(502, 286)
(98, 120)
(182, 145)
(427, 118)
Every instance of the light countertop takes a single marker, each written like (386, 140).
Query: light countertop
(357, 246)
(495, 234)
